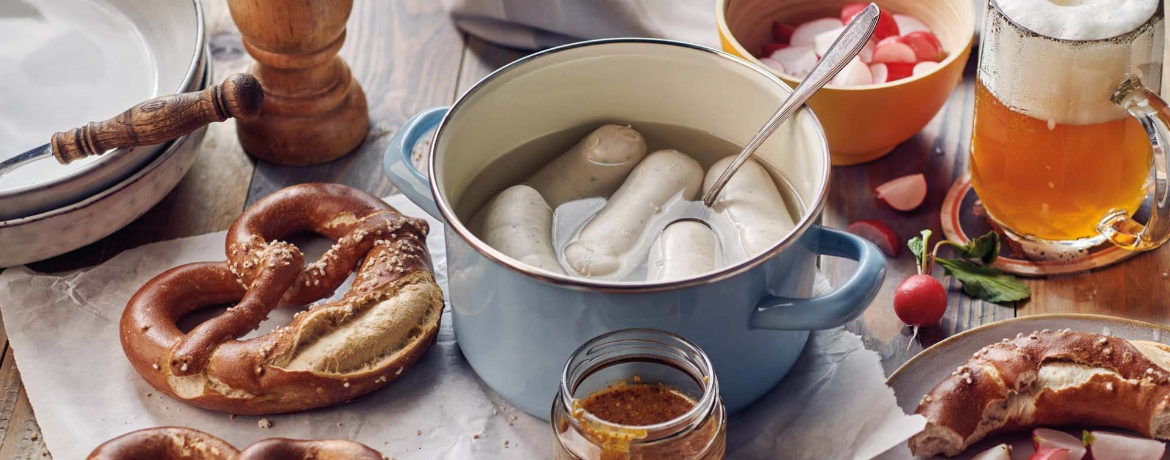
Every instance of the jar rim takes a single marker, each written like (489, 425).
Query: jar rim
(688, 421)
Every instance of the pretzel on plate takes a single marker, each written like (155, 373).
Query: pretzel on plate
(177, 443)
(330, 353)
(1048, 378)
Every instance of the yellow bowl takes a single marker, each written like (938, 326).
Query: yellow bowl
(863, 123)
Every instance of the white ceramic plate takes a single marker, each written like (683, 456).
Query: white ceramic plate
(64, 229)
(919, 375)
(68, 62)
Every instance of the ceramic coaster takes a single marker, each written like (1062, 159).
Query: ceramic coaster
(963, 217)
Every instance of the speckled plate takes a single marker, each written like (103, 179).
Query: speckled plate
(920, 374)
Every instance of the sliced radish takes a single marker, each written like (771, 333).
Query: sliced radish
(1046, 438)
(799, 60)
(922, 68)
(899, 70)
(806, 34)
(904, 193)
(885, 73)
(782, 33)
(892, 49)
(866, 53)
(887, 26)
(881, 73)
(855, 73)
(774, 65)
(909, 24)
(1049, 453)
(1000, 452)
(825, 39)
(770, 48)
(879, 233)
(1104, 445)
(925, 45)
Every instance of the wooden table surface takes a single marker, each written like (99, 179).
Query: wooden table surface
(408, 56)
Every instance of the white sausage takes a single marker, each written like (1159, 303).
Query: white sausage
(684, 249)
(595, 167)
(619, 225)
(753, 204)
(518, 223)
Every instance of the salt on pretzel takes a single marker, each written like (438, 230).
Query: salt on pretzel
(177, 443)
(1048, 378)
(330, 353)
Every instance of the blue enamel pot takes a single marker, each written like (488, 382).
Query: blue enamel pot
(517, 325)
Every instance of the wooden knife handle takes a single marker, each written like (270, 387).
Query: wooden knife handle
(162, 119)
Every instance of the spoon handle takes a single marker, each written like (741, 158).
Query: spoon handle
(162, 119)
(851, 41)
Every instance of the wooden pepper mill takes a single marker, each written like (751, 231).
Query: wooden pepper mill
(314, 110)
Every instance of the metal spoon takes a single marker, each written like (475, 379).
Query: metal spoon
(851, 41)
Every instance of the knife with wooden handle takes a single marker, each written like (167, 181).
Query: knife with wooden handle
(158, 120)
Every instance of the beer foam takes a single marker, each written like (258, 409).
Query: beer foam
(1079, 19)
(1060, 62)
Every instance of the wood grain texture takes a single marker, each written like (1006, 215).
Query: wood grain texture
(316, 112)
(406, 54)
(161, 119)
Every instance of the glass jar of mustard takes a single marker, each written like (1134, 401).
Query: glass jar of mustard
(639, 394)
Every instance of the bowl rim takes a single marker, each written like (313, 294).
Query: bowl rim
(193, 77)
(721, 23)
(811, 216)
(166, 150)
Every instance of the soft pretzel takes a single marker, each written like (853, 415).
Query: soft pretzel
(1048, 378)
(330, 353)
(177, 443)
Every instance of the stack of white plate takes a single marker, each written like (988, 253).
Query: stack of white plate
(69, 62)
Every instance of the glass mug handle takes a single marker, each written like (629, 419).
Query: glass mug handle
(1154, 115)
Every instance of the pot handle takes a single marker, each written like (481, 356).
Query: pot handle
(401, 171)
(838, 307)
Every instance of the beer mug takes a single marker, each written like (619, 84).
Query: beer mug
(1066, 137)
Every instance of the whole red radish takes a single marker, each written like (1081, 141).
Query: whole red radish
(886, 27)
(921, 300)
(879, 233)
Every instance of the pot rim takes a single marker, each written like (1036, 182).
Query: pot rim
(626, 287)
(190, 80)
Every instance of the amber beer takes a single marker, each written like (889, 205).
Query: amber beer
(1051, 155)
(1055, 181)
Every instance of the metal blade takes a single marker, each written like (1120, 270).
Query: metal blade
(30, 156)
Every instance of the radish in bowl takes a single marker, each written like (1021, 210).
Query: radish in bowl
(899, 40)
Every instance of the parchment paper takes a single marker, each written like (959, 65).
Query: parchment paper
(64, 332)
